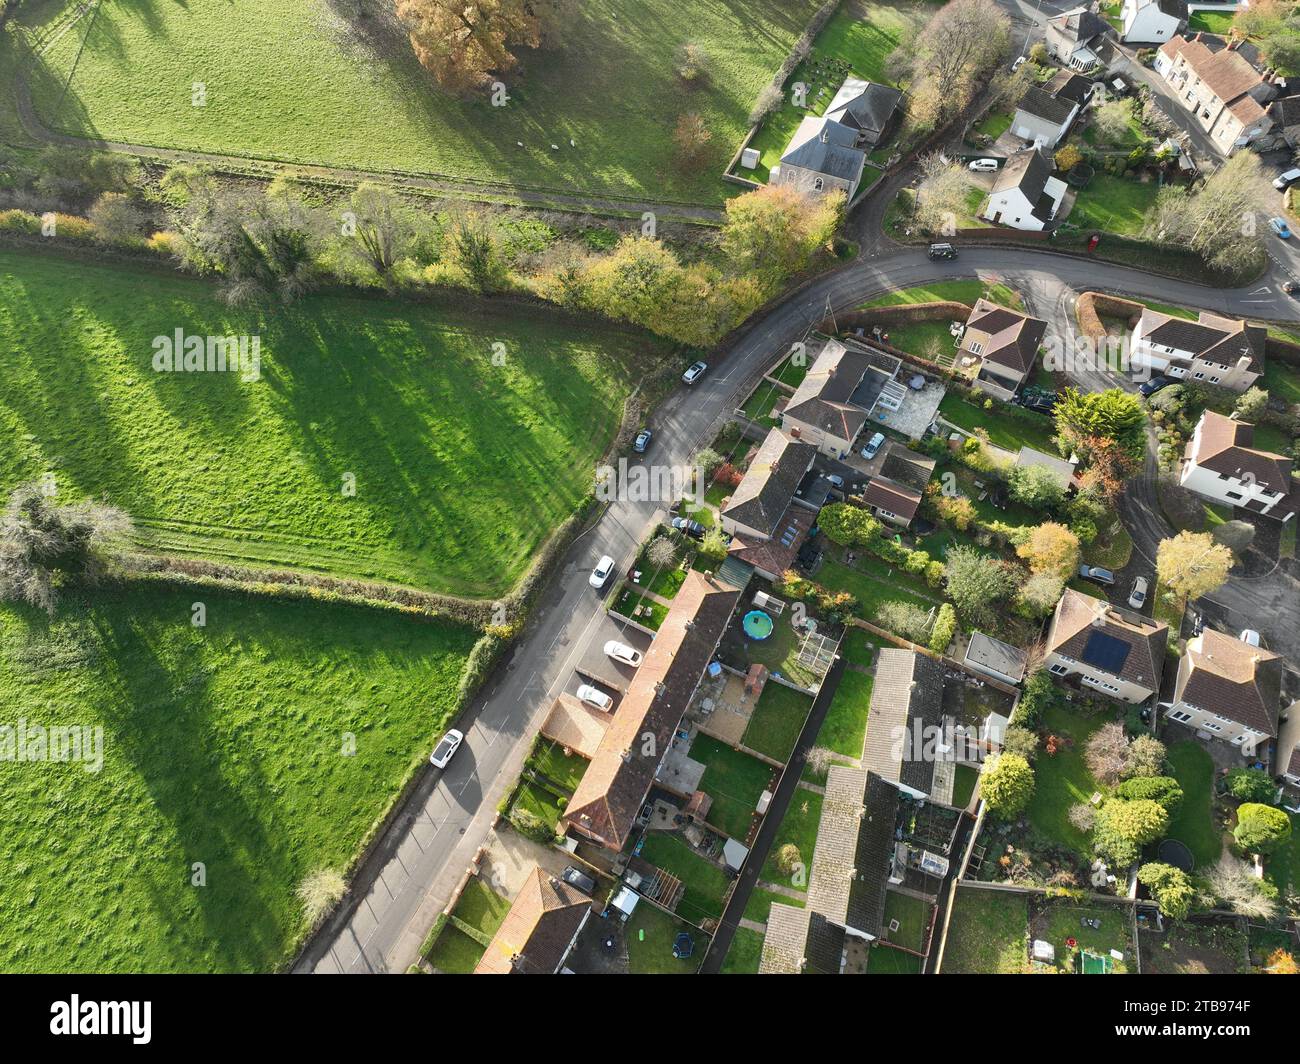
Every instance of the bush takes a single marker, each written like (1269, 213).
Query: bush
(1161, 789)
(1145, 757)
(1007, 785)
(1123, 828)
(905, 619)
(1170, 887)
(1251, 785)
(1020, 741)
(1039, 693)
(531, 826)
(945, 627)
(1083, 816)
(1261, 828)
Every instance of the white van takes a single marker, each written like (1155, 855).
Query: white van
(1284, 181)
(983, 166)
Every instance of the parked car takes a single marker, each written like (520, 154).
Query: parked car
(1020, 61)
(1138, 597)
(983, 166)
(594, 696)
(1279, 226)
(622, 652)
(600, 574)
(688, 527)
(873, 445)
(1097, 575)
(642, 441)
(1149, 388)
(1042, 402)
(941, 251)
(835, 480)
(1249, 635)
(1292, 288)
(443, 752)
(694, 372)
(581, 880)
(1284, 181)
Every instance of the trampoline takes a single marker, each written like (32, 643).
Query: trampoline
(1173, 852)
(757, 624)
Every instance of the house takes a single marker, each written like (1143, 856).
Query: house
(1285, 114)
(1222, 463)
(1060, 468)
(1226, 352)
(760, 500)
(1227, 94)
(1152, 21)
(906, 738)
(828, 152)
(998, 348)
(994, 658)
(844, 384)
(1046, 112)
(895, 488)
(1024, 195)
(1106, 649)
(610, 794)
(540, 929)
(1286, 764)
(1073, 38)
(1229, 690)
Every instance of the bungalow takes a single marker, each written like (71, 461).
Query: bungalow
(1227, 352)
(1217, 82)
(1109, 650)
(1075, 37)
(1222, 464)
(1024, 195)
(540, 929)
(611, 792)
(1045, 113)
(998, 348)
(1228, 689)
(845, 382)
(893, 492)
(1152, 21)
(906, 739)
(1060, 468)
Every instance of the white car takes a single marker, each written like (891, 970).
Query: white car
(1249, 635)
(1284, 181)
(694, 372)
(593, 696)
(442, 753)
(1139, 596)
(624, 653)
(873, 445)
(600, 575)
(983, 166)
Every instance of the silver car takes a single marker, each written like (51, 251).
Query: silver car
(1138, 598)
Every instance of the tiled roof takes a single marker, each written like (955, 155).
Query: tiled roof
(1229, 677)
(1078, 616)
(534, 937)
(1006, 337)
(777, 554)
(1042, 104)
(1223, 445)
(763, 496)
(895, 498)
(823, 397)
(907, 694)
(823, 146)
(1079, 26)
(785, 940)
(1212, 337)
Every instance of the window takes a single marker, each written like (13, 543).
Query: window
(1100, 683)
(975, 346)
(1214, 380)
(1058, 669)
(1180, 715)
(1234, 495)
(1211, 726)
(818, 184)
(1239, 739)
(1199, 376)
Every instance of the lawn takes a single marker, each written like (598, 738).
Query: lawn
(943, 291)
(734, 781)
(963, 788)
(540, 802)
(859, 647)
(987, 934)
(552, 762)
(759, 906)
(1057, 921)
(870, 590)
(650, 933)
(845, 728)
(798, 829)
(640, 608)
(745, 953)
(1284, 864)
(1063, 780)
(777, 721)
(380, 441)
(1009, 428)
(1219, 22)
(885, 961)
(706, 884)
(294, 81)
(994, 124)
(913, 918)
(1282, 381)
(1114, 205)
(481, 907)
(227, 745)
(455, 953)
(1193, 822)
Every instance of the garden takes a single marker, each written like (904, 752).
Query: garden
(707, 885)
(650, 934)
(845, 728)
(798, 830)
(1073, 928)
(777, 721)
(458, 942)
(735, 781)
(988, 934)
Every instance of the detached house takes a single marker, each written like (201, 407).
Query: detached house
(1152, 21)
(844, 384)
(1045, 113)
(1222, 463)
(1229, 690)
(1075, 37)
(998, 348)
(540, 929)
(898, 477)
(1024, 195)
(1222, 351)
(1225, 92)
(765, 515)
(1106, 649)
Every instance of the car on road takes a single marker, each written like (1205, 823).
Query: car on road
(1149, 388)
(1097, 575)
(1292, 288)
(687, 527)
(581, 880)
(642, 441)
(1020, 61)
(624, 653)
(1284, 181)
(941, 251)
(594, 696)
(694, 372)
(983, 166)
(1138, 596)
(1279, 226)
(600, 574)
(873, 445)
(445, 750)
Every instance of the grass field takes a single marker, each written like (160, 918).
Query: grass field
(957, 291)
(650, 934)
(1114, 205)
(461, 467)
(1193, 822)
(295, 81)
(988, 934)
(845, 726)
(1064, 780)
(1008, 427)
(223, 745)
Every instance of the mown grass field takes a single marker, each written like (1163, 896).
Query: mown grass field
(461, 467)
(222, 745)
(294, 80)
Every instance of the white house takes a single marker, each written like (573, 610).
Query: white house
(1025, 195)
(1045, 113)
(1105, 649)
(1222, 464)
(1152, 21)
(1228, 690)
(1226, 352)
(1074, 38)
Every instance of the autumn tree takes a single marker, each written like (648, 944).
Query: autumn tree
(377, 229)
(1191, 564)
(773, 232)
(963, 42)
(1281, 962)
(691, 139)
(1113, 121)
(1112, 414)
(1007, 784)
(940, 196)
(116, 218)
(977, 582)
(1051, 548)
(1039, 594)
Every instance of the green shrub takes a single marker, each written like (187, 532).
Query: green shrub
(1123, 828)
(1261, 828)
(1161, 789)
(1171, 888)
(1251, 785)
(1007, 785)
(945, 627)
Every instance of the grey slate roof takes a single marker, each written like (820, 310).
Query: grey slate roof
(775, 471)
(908, 692)
(824, 398)
(825, 147)
(1027, 170)
(997, 656)
(1042, 104)
(1078, 26)
(870, 111)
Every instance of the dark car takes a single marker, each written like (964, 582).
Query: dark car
(578, 879)
(1149, 388)
(642, 441)
(941, 251)
(1097, 575)
(688, 527)
(1039, 399)
(1292, 288)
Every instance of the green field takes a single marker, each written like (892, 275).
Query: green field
(1114, 205)
(845, 728)
(222, 745)
(295, 81)
(745, 953)
(988, 934)
(956, 291)
(777, 721)
(461, 467)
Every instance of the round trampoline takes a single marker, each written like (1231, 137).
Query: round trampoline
(1173, 852)
(757, 624)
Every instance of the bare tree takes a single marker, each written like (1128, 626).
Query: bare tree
(662, 552)
(940, 195)
(1233, 884)
(1107, 753)
(961, 44)
(1217, 221)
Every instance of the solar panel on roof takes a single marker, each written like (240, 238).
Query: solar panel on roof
(1106, 652)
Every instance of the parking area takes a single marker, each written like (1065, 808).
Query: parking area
(598, 668)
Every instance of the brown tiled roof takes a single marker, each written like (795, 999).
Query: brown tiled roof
(1212, 337)
(535, 935)
(1009, 338)
(1078, 616)
(777, 554)
(907, 692)
(895, 498)
(1227, 676)
(823, 398)
(763, 496)
(1222, 67)
(1223, 445)
(611, 791)
(576, 725)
